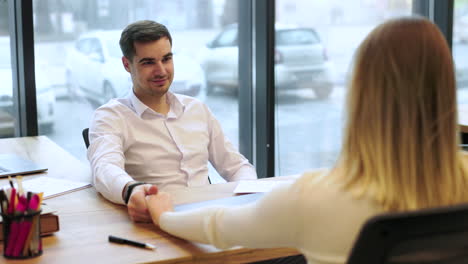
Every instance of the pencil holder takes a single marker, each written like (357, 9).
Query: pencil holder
(21, 235)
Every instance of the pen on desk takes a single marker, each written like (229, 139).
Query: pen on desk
(120, 240)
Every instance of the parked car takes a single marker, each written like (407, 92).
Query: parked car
(94, 67)
(300, 61)
(459, 49)
(460, 28)
(45, 95)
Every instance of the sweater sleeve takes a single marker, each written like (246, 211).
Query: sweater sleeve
(269, 222)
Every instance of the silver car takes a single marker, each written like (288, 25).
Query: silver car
(300, 61)
(94, 68)
(45, 95)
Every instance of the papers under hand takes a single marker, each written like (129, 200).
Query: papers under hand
(258, 186)
(52, 187)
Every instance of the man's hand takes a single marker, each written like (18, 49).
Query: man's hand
(158, 204)
(137, 209)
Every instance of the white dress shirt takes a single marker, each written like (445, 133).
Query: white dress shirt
(131, 142)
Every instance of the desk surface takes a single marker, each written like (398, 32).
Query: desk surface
(86, 219)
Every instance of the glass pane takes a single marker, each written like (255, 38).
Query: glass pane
(460, 53)
(460, 48)
(7, 108)
(79, 68)
(315, 43)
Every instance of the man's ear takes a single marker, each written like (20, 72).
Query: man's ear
(126, 63)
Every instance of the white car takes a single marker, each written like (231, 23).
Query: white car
(459, 47)
(94, 67)
(300, 61)
(460, 28)
(45, 95)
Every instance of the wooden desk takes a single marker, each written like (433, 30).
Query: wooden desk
(86, 220)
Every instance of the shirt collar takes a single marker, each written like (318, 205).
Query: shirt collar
(176, 106)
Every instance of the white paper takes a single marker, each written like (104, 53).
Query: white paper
(258, 186)
(51, 187)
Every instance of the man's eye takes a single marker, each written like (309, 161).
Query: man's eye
(167, 59)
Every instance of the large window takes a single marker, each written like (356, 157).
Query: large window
(78, 65)
(460, 49)
(7, 101)
(315, 43)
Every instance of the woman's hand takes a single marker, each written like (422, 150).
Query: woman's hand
(158, 204)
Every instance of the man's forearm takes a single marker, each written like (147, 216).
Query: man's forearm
(111, 186)
(246, 172)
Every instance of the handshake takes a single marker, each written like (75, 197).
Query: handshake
(146, 203)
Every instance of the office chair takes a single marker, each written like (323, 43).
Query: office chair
(464, 140)
(85, 136)
(435, 236)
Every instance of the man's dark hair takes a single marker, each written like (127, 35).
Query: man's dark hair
(141, 31)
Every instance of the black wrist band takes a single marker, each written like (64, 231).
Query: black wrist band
(129, 190)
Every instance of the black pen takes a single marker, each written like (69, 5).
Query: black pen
(120, 240)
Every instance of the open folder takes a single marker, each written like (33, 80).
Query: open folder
(247, 191)
(228, 201)
(11, 164)
(259, 186)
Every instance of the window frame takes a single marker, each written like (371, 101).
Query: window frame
(20, 16)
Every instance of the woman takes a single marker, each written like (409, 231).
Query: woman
(400, 153)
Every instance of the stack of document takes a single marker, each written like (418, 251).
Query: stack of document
(257, 186)
(247, 191)
(52, 187)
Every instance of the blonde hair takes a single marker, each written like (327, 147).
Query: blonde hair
(401, 143)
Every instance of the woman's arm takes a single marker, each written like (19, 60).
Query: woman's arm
(272, 221)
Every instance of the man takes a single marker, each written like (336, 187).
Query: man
(153, 138)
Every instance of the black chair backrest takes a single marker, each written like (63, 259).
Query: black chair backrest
(436, 236)
(86, 137)
(464, 140)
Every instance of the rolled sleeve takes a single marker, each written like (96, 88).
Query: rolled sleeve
(224, 157)
(106, 157)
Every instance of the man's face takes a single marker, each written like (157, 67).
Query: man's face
(152, 68)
